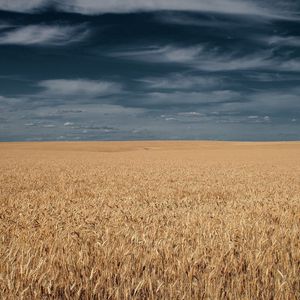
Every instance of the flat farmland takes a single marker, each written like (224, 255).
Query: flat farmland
(150, 220)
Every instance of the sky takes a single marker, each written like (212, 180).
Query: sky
(149, 69)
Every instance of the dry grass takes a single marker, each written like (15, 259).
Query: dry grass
(150, 220)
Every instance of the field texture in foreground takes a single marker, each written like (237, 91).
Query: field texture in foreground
(150, 220)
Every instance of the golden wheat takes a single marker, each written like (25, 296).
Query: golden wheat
(150, 220)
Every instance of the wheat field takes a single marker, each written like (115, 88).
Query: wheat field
(150, 220)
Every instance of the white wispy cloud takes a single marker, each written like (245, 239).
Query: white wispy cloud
(209, 59)
(276, 40)
(189, 98)
(181, 82)
(271, 77)
(266, 9)
(4, 25)
(291, 65)
(227, 62)
(244, 7)
(187, 19)
(277, 100)
(55, 35)
(266, 102)
(191, 114)
(168, 54)
(67, 124)
(23, 6)
(78, 88)
(7, 103)
(293, 41)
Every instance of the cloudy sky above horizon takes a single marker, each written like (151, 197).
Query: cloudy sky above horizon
(149, 69)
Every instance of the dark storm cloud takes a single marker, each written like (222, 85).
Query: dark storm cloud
(86, 69)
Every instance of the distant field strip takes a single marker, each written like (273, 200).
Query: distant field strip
(150, 220)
